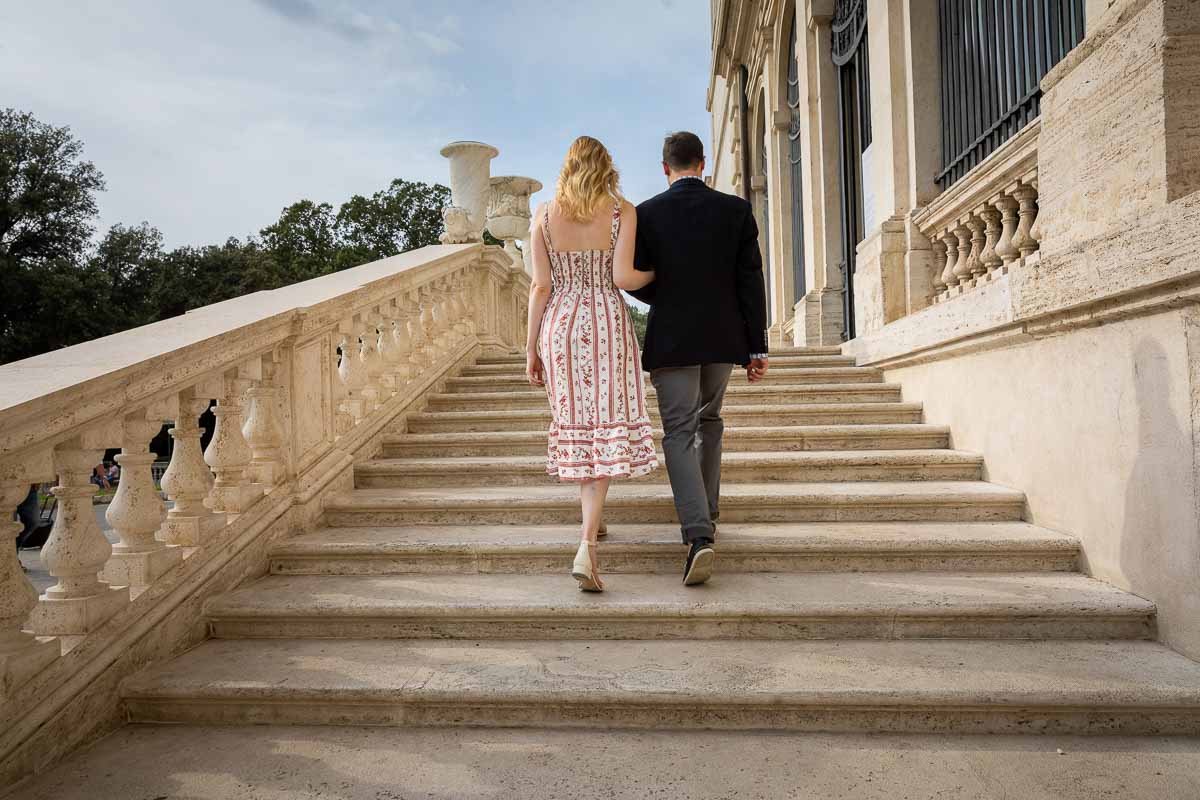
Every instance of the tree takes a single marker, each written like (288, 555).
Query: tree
(304, 241)
(47, 204)
(404, 216)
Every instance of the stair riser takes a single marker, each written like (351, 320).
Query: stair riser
(941, 472)
(422, 423)
(930, 717)
(664, 513)
(669, 562)
(537, 400)
(503, 382)
(731, 444)
(780, 363)
(564, 626)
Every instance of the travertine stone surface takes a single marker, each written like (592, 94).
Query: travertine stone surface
(470, 185)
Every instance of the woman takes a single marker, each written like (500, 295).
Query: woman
(582, 346)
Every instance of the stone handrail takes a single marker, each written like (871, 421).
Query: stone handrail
(301, 377)
(984, 225)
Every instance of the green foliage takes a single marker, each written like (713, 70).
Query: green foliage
(640, 319)
(60, 287)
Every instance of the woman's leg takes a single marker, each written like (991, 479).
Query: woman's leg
(592, 494)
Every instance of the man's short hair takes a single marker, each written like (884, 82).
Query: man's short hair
(682, 150)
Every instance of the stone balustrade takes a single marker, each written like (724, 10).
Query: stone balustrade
(985, 224)
(291, 376)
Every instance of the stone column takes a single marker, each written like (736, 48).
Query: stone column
(470, 176)
(508, 216)
(229, 454)
(136, 512)
(21, 654)
(76, 551)
(188, 480)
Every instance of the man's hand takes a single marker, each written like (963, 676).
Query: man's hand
(534, 370)
(756, 369)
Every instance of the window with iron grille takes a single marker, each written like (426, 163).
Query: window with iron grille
(994, 54)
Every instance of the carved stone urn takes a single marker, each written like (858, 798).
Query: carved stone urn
(508, 214)
(470, 189)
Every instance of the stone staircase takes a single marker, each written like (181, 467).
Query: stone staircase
(868, 579)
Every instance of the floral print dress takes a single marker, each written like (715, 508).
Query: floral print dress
(599, 426)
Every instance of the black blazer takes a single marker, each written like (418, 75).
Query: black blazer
(707, 302)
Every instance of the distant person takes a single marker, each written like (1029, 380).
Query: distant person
(100, 477)
(582, 345)
(114, 473)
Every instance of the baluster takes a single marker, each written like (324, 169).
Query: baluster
(188, 479)
(22, 655)
(974, 258)
(351, 372)
(343, 421)
(988, 258)
(372, 365)
(962, 269)
(1008, 214)
(951, 244)
(416, 334)
(1023, 239)
(429, 334)
(441, 326)
(461, 296)
(76, 551)
(228, 453)
(136, 512)
(939, 266)
(398, 350)
(262, 430)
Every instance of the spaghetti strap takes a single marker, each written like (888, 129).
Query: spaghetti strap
(616, 224)
(546, 229)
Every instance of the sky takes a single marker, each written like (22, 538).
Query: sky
(207, 118)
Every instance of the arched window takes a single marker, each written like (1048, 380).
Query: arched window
(797, 177)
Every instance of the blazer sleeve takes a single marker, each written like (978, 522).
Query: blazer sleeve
(751, 290)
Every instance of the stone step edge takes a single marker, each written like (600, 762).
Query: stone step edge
(911, 429)
(750, 410)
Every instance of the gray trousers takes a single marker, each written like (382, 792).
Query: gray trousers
(689, 401)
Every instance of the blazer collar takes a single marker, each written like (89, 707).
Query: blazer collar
(687, 184)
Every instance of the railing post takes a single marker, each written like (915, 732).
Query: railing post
(351, 372)
(1023, 239)
(416, 332)
(372, 366)
(136, 512)
(262, 430)
(962, 269)
(428, 328)
(188, 479)
(22, 655)
(228, 453)
(397, 345)
(76, 551)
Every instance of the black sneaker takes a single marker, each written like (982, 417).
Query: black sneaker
(699, 564)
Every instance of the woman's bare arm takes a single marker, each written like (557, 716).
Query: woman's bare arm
(624, 275)
(539, 295)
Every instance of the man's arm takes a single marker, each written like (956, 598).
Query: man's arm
(751, 290)
(643, 262)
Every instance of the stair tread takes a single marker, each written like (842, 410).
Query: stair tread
(1027, 674)
(733, 459)
(731, 410)
(770, 432)
(731, 392)
(734, 537)
(636, 492)
(740, 595)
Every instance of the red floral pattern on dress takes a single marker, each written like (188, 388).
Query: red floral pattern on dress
(599, 427)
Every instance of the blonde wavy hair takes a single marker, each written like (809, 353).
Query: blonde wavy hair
(587, 179)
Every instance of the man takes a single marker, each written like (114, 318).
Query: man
(708, 312)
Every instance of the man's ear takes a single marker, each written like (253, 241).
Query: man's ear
(666, 169)
(702, 163)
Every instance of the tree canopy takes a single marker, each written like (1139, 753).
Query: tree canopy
(62, 285)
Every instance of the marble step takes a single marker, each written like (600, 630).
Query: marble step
(959, 686)
(538, 419)
(638, 502)
(515, 378)
(909, 436)
(811, 466)
(818, 605)
(790, 355)
(656, 549)
(530, 398)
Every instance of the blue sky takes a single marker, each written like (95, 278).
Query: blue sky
(207, 118)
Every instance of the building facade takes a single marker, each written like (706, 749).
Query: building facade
(995, 202)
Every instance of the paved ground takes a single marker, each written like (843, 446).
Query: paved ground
(298, 763)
